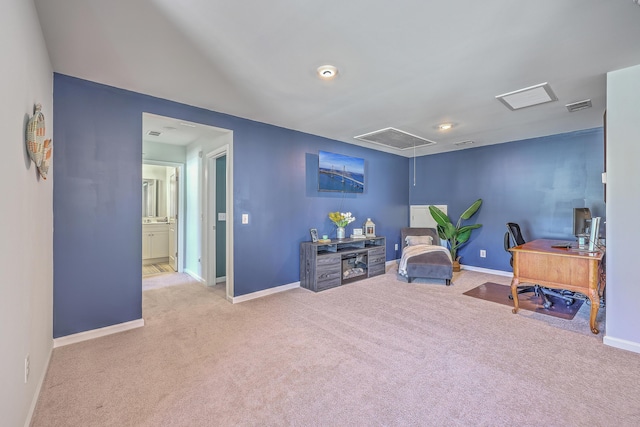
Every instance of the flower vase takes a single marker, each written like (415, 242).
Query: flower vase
(340, 233)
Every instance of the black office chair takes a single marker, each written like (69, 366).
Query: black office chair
(513, 237)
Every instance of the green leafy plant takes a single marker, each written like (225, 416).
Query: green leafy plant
(456, 235)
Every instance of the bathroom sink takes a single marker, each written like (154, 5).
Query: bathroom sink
(154, 221)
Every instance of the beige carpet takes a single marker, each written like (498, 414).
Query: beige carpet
(168, 279)
(376, 352)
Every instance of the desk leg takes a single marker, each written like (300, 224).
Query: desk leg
(514, 294)
(595, 305)
(594, 296)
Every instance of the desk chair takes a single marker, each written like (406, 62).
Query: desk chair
(513, 237)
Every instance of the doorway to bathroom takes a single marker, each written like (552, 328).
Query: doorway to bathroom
(161, 218)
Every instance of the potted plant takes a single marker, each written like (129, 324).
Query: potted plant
(456, 235)
(341, 220)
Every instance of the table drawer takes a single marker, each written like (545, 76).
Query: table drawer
(376, 270)
(376, 260)
(377, 251)
(328, 260)
(328, 273)
(328, 283)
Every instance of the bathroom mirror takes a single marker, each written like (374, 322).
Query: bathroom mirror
(150, 197)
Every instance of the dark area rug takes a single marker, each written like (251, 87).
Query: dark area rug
(527, 301)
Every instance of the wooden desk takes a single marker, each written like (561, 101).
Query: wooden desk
(537, 262)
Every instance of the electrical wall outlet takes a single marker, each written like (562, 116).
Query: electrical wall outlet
(483, 253)
(396, 246)
(27, 368)
(245, 218)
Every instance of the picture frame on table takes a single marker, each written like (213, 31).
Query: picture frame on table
(314, 235)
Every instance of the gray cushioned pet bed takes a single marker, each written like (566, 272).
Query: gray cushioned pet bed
(433, 265)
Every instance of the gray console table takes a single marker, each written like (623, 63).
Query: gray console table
(327, 265)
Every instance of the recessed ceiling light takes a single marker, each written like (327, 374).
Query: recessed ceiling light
(445, 126)
(327, 72)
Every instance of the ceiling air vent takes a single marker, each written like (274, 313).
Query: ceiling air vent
(577, 106)
(154, 133)
(461, 143)
(394, 138)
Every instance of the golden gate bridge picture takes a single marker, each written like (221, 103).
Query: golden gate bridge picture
(338, 172)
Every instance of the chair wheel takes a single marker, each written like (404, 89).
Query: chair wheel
(511, 297)
(547, 304)
(568, 302)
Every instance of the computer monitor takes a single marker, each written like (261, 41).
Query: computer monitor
(595, 233)
(581, 222)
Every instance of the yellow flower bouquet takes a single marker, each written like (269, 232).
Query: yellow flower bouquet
(341, 219)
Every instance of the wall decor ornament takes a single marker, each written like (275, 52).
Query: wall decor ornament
(369, 228)
(39, 149)
(47, 151)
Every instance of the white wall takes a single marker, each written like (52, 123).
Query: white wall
(163, 152)
(26, 221)
(623, 205)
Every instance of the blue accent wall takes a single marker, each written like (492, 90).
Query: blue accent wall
(97, 208)
(276, 183)
(97, 200)
(535, 182)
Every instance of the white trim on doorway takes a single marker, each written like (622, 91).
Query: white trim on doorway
(225, 150)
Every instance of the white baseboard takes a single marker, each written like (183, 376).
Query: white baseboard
(96, 333)
(36, 395)
(265, 292)
(221, 279)
(487, 270)
(195, 276)
(623, 344)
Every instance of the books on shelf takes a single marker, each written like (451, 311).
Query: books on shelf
(358, 236)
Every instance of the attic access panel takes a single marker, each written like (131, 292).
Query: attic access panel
(394, 138)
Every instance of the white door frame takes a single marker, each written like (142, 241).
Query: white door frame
(174, 201)
(209, 232)
(181, 204)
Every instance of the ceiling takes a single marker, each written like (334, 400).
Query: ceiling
(408, 65)
(175, 131)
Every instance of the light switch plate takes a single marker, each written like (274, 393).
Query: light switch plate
(222, 216)
(245, 218)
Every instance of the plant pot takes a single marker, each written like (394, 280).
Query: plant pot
(456, 265)
(340, 233)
